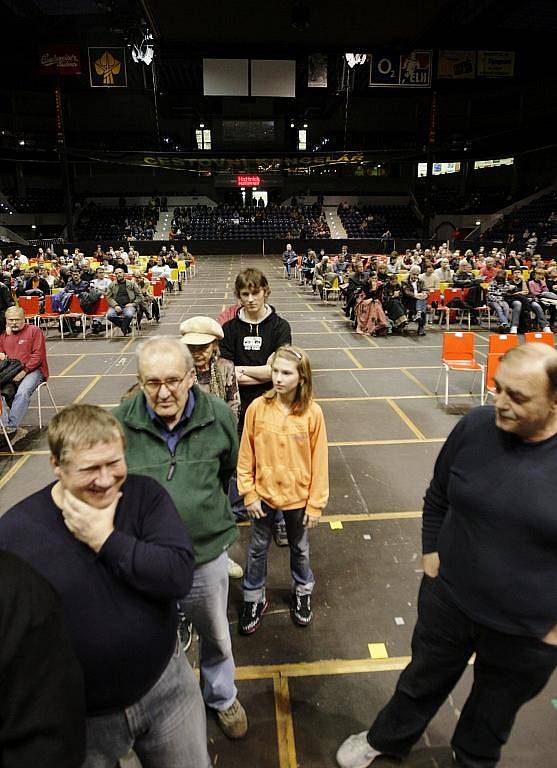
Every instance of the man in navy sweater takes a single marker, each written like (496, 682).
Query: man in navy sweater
(115, 549)
(490, 573)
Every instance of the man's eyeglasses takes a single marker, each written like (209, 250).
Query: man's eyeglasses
(153, 385)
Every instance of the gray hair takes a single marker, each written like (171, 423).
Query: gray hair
(414, 269)
(533, 353)
(165, 344)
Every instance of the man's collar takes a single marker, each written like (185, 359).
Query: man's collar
(186, 414)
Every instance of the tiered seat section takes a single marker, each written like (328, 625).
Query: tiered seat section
(104, 223)
(539, 217)
(227, 222)
(37, 201)
(374, 220)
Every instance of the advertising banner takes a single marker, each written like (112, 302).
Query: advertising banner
(107, 67)
(60, 60)
(412, 69)
(317, 71)
(456, 65)
(495, 63)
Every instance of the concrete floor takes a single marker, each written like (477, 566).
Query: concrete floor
(306, 690)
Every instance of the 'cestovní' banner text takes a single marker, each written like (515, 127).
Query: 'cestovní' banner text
(233, 164)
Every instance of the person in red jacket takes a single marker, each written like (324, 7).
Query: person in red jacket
(25, 343)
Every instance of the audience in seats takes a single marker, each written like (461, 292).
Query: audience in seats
(24, 342)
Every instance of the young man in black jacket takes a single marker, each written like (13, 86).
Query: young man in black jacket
(489, 537)
(250, 339)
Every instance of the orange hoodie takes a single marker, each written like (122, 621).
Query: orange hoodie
(283, 458)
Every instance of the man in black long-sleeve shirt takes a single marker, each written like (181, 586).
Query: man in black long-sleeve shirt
(42, 705)
(490, 562)
(115, 549)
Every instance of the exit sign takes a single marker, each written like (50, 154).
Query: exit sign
(248, 181)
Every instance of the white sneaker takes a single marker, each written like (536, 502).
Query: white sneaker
(547, 329)
(235, 570)
(356, 752)
(514, 329)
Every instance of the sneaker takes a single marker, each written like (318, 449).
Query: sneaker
(279, 534)
(233, 721)
(185, 631)
(19, 434)
(356, 752)
(514, 329)
(235, 570)
(252, 613)
(547, 329)
(421, 331)
(301, 609)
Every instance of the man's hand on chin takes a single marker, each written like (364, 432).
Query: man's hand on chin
(88, 524)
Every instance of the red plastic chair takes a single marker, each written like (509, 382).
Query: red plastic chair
(48, 313)
(31, 306)
(493, 360)
(99, 313)
(539, 338)
(458, 355)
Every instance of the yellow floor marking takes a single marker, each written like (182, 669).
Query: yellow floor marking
(416, 381)
(311, 309)
(378, 650)
(372, 342)
(406, 419)
(71, 365)
(336, 525)
(128, 345)
(321, 668)
(13, 470)
(379, 368)
(285, 725)
(351, 357)
(87, 389)
(408, 441)
(367, 516)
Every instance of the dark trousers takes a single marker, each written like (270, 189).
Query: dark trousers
(509, 670)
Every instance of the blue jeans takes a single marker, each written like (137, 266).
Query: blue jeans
(502, 309)
(122, 320)
(255, 574)
(20, 403)
(206, 607)
(166, 728)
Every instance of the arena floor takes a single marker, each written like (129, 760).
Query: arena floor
(305, 690)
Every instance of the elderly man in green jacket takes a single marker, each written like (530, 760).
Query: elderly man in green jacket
(187, 440)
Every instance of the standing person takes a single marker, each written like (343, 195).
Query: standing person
(214, 374)
(115, 550)
(250, 338)
(283, 465)
(42, 704)
(187, 440)
(490, 554)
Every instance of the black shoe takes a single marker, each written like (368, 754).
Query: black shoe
(279, 534)
(250, 619)
(185, 632)
(421, 331)
(301, 609)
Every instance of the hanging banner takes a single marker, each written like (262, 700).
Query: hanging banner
(456, 65)
(278, 164)
(317, 70)
(60, 60)
(495, 63)
(407, 70)
(107, 67)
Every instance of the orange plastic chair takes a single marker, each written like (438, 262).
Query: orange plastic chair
(493, 360)
(31, 306)
(99, 313)
(499, 343)
(458, 355)
(434, 297)
(540, 338)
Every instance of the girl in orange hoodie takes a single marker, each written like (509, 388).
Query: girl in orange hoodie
(283, 465)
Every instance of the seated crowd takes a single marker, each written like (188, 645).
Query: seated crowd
(230, 221)
(132, 222)
(382, 294)
(378, 221)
